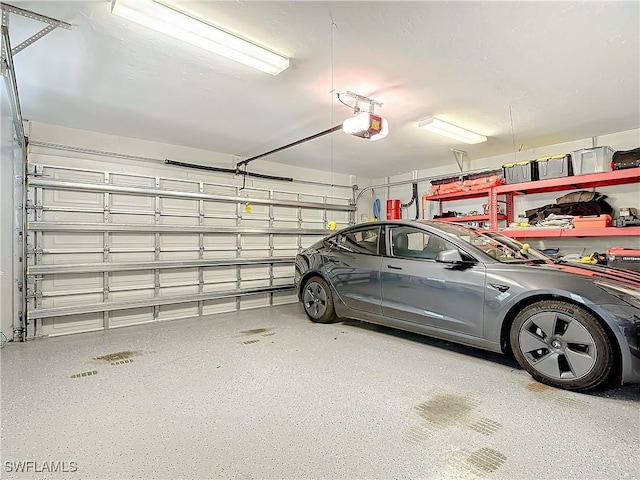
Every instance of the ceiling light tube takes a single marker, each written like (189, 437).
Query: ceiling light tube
(441, 127)
(166, 19)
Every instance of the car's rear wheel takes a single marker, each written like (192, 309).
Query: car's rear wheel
(562, 345)
(318, 301)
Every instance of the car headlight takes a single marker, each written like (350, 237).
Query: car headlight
(626, 294)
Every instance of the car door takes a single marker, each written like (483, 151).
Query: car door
(416, 288)
(352, 265)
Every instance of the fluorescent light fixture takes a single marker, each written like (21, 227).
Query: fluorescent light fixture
(441, 127)
(166, 19)
(366, 125)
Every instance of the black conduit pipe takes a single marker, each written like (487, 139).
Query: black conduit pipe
(414, 198)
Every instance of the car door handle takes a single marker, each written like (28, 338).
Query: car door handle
(394, 268)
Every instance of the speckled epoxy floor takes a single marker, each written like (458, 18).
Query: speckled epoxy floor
(267, 394)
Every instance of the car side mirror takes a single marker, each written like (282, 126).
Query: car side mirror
(449, 256)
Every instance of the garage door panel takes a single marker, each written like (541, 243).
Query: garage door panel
(132, 257)
(129, 240)
(179, 205)
(254, 223)
(72, 300)
(284, 298)
(173, 275)
(72, 324)
(125, 180)
(149, 207)
(254, 283)
(71, 258)
(145, 292)
(285, 253)
(178, 291)
(285, 212)
(67, 240)
(220, 254)
(283, 270)
(221, 286)
(256, 211)
(254, 301)
(285, 242)
(130, 316)
(177, 256)
(288, 196)
(224, 208)
(73, 175)
(292, 223)
(65, 198)
(219, 274)
(131, 279)
(179, 185)
(254, 272)
(309, 240)
(76, 217)
(132, 202)
(312, 214)
(132, 219)
(222, 305)
(174, 312)
(179, 240)
(218, 189)
(282, 281)
(212, 241)
(178, 219)
(60, 282)
(257, 253)
(255, 241)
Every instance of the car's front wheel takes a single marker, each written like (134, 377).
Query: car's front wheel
(562, 345)
(318, 301)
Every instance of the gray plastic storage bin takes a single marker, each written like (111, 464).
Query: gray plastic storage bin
(557, 166)
(520, 172)
(592, 160)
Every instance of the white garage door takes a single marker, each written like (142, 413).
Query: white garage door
(110, 249)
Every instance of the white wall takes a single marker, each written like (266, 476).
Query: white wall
(618, 196)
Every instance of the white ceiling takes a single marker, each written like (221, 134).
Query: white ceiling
(568, 71)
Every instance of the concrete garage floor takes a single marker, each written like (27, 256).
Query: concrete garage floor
(267, 394)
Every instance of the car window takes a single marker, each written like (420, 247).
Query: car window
(497, 246)
(408, 242)
(359, 241)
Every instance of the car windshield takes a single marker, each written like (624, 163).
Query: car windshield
(497, 246)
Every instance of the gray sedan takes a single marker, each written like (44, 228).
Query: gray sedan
(571, 326)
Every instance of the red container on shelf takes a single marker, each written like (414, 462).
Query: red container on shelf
(628, 258)
(592, 221)
(393, 210)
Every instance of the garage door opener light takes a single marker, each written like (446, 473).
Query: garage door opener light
(441, 127)
(167, 19)
(365, 125)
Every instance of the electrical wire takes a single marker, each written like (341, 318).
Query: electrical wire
(333, 25)
(345, 104)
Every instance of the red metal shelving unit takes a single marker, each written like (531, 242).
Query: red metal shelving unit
(577, 182)
(493, 217)
(590, 180)
(533, 232)
(472, 218)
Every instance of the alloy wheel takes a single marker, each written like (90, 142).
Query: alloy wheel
(315, 299)
(558, 346)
